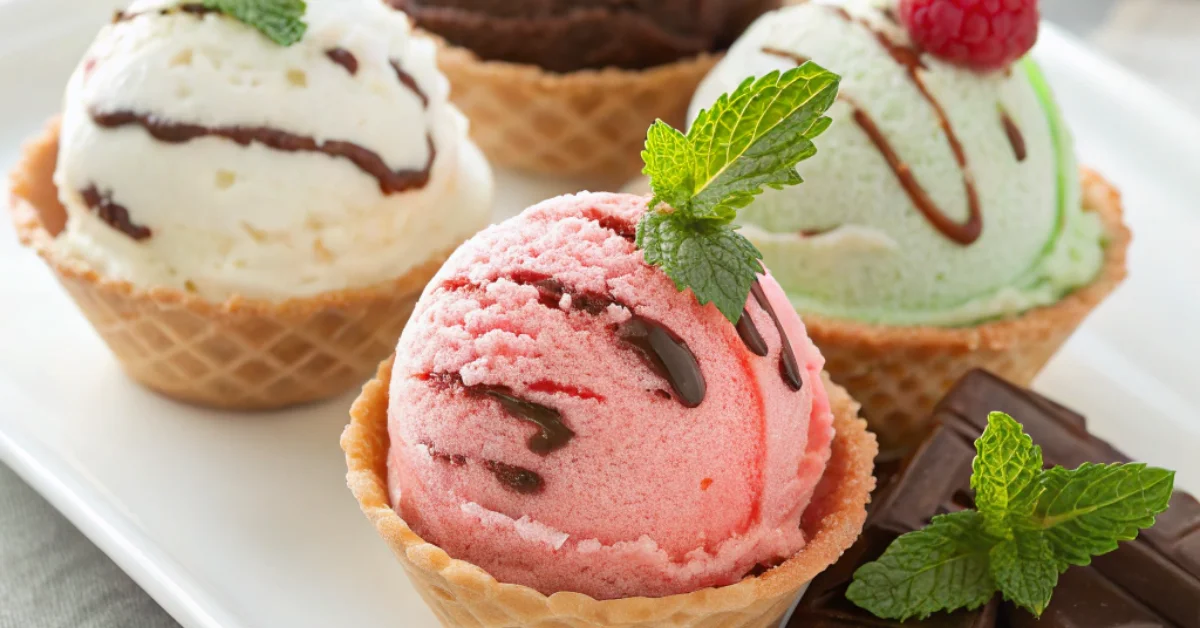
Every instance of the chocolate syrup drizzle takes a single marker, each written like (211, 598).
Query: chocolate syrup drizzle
(966, 233)
(1015, 137)
(750, 335)
(344, 58)
(661, 349)
(191, 8)
(410, 82)
(517, 479)
(667, 355)
(552, 433)
(784, 54)
(789, 366)
(115, 215)
(370, 162)
(910, 58)
(619, 226)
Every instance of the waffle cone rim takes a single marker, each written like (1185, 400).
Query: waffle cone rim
(842, 508)
(1100, 197)
(26, 178)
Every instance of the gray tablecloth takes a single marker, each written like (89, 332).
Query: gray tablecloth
(52, 577)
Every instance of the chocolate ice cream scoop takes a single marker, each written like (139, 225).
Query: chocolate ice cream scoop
(569, 35)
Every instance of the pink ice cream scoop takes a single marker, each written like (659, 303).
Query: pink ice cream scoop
(563, 417)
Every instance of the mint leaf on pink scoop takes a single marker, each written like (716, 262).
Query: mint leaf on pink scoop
(750, 139)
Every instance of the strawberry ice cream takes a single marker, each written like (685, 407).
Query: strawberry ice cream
(563, 417)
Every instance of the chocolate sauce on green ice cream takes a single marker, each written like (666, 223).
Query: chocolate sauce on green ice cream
(908, 57)
(1015, 137)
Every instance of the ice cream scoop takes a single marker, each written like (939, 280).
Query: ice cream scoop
(940, 196)
(565, 418)
(569, 35)
(198, 154)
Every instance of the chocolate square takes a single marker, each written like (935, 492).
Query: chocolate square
(1150, 582)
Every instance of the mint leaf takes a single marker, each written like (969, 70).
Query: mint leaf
(748, 140)
(1025, 570)
(941, 568)
(1031, 526)
(280, 20)
(716, 262)
(755, 136)
(1005, 474)
(1086, 512)
(670, 164)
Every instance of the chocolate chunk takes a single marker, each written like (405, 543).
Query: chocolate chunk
(1086, 599)
(825, 605)
(1147, 583)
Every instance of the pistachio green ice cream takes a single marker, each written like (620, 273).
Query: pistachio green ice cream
(939, 196)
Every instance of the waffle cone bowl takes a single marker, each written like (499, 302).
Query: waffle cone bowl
(586, 123)
(899, 373)
(241, 354)
(464, 595)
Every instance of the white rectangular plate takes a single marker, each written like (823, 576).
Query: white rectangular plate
(244, 521)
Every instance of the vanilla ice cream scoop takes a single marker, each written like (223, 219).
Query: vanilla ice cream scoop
(199, 154)
(939, 196)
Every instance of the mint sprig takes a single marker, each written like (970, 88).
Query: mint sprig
(1086, 512)
(945, 567)
(749, 140)
(1004, 475)
(282, 21)
(1031, 525)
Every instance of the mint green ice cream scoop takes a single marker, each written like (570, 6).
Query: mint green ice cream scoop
(939, 196)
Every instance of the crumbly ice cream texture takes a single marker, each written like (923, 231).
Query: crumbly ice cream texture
(851, 243)
(569, 35)
(256, 218)
(650, 497)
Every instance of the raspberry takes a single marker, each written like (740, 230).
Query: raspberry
(982, 35)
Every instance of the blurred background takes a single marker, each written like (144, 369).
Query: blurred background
(51, 576)
(1157, 39)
